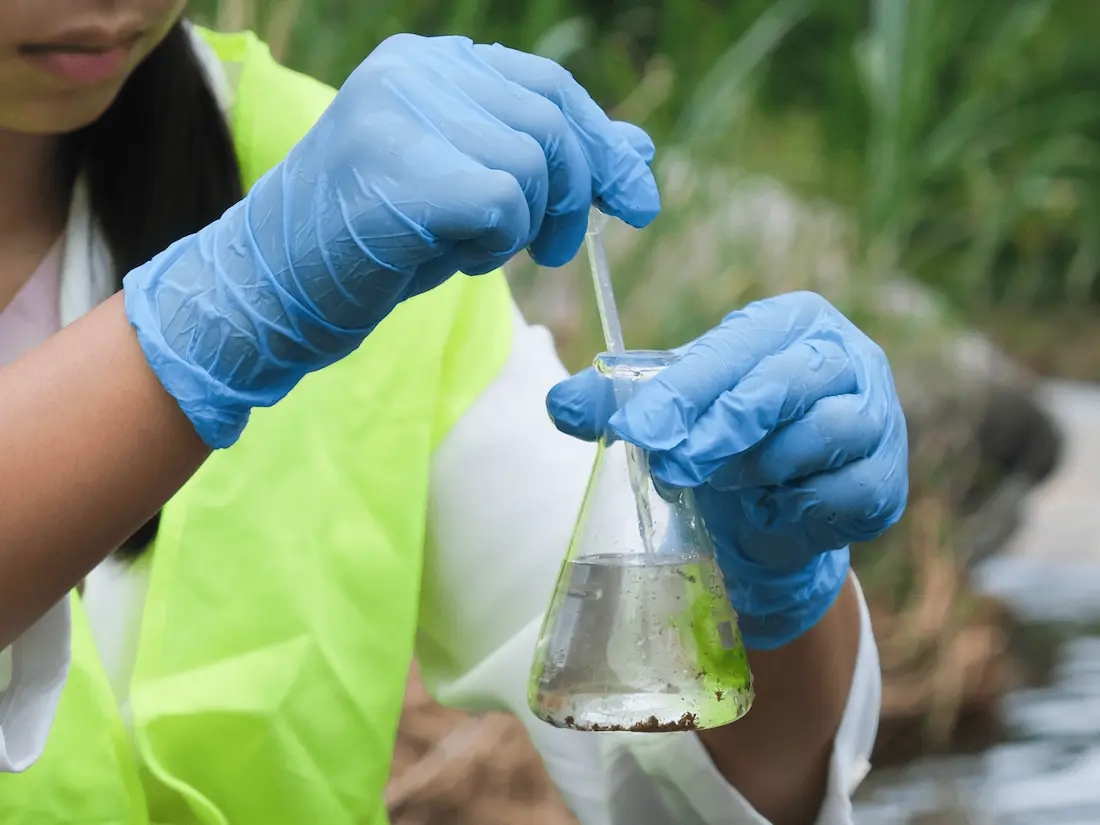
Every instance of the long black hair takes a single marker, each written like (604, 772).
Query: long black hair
(159, 164)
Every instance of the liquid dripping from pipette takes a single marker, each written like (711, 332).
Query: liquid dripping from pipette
(637, 467)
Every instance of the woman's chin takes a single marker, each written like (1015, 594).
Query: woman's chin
(59, 114)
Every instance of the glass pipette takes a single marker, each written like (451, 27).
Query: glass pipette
(601, 279)
(636, 465)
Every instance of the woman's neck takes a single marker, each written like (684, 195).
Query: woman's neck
(31, 199)
(33, 207)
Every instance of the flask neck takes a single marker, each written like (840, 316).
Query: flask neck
(629, 370)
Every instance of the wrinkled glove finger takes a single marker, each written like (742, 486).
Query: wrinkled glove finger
(641, 142)
(460, 217)
(440, 194)
(780, 551)
(498, 146)
(559, 217)
(638, 138)
(661, 415)
(621, 179)
(856, 503)
(580, 405)
(778, 390)
(482, 212)
(836, 431)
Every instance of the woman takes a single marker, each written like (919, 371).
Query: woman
(243, 659)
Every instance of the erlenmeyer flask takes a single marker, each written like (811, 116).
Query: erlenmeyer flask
(640, 634)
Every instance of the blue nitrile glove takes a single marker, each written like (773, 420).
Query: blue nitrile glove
(437, 156)
(786, 421)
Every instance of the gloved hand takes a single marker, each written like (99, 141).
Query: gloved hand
(437, 156)
(785, 420)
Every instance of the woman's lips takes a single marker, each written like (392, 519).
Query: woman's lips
(77, 67)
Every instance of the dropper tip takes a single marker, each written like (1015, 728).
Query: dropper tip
(597, 220)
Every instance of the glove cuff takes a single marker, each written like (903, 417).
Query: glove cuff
(773, 608)
(218, 413)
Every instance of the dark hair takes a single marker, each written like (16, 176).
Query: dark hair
(160, 165)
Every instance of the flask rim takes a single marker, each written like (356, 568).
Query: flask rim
(634, 363)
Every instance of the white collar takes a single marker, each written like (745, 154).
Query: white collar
(87, 273)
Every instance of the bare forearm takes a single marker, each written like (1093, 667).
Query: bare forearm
(90, 447)
(778, 755)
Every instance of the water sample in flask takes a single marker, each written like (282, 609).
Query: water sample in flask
(640, 634)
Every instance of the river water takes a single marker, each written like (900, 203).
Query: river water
(1047, 769)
